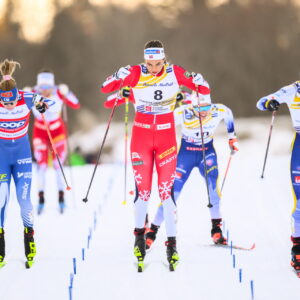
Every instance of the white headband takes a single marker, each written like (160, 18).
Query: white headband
(45, 79)
(154, 53)
(202, 99)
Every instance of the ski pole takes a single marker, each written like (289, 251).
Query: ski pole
(268, 144)
(203, 148)
(54, 150)
(226, 172)
(65, 118)
(126, 146)
(103, 141)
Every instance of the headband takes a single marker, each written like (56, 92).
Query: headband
(45, 80)
(9, 96)
(154, 53)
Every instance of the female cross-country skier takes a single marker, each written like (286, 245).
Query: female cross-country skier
(291, 96)
(191, 155)
(58, 95)
(154, 85)
(15, 153)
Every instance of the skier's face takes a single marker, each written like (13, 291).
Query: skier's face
(9, 105)
(45, 92)
(204, 110)
(154, 66)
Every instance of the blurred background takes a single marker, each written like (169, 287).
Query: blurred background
(244, 48)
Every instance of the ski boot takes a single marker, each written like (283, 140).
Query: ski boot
(295, 263)
(61, 201)
(41, 203)
(216, 232)
(151, 235)
(2, 248)
(29, 244)
(139, 247)
(172, 254)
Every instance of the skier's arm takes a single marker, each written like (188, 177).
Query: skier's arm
(125, 93)
(188, 79)
(229, 121)
(114, 82)
(273, 101)
(32, 99)
(67, 96)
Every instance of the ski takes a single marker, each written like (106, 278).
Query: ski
(237, 247)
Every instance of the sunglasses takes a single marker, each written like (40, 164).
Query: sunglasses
(8, 103)
(202, 108)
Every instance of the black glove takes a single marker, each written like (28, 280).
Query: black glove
(272, 105)
(41, 107)
(126, 92)
(179, 97)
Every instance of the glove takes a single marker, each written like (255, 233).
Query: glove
(41, 107)
(272, 105)
(198, 79)
(63, 89)
(180, 96)
(122, 73)
(39, 103)
(125, 92)
(233, 145)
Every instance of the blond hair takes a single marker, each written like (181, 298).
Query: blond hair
(7, 67)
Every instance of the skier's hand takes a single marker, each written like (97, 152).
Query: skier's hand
(272, 105)
(125, 92)
(198, 79)
(39, 103)
(180, 96)
(63, 89)
(233, 145)
(41, 107)
(122, 73)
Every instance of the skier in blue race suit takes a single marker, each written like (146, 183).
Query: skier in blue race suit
(191, 155)
(291, 96)
(15, 153)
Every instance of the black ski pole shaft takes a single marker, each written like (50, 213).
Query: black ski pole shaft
(126, 147)
(102, 145)
(268, 143)
(203, 149)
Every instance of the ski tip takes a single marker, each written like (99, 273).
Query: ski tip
(124, 202)
(68, 188)
(28, 264)
(131, 192)
(253, 246)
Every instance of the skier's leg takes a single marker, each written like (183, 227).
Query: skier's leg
(212, 177)
(295, 177)
(5, 177)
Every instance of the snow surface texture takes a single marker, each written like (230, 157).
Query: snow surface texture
(254, 210)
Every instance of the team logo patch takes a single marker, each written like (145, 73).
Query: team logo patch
(3, 177)
(178, 175)
(135, 155)
(297, 179)
(163, 126)
(187, 74)
(209, 162)
(167, 152)
(137, 163)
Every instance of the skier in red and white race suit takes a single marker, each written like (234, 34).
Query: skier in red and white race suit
(154, 85)
(59, 96)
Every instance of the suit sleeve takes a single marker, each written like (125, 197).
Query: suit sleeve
(112, 83)
(185, 78)
(70, 99)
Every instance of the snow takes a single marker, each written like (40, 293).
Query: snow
(254, 209)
